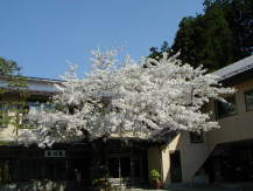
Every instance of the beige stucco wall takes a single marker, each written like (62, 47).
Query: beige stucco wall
(192, 157)
(238, 127)
(234, 128)
(8, 133)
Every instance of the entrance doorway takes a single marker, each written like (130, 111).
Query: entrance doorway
(176, 168)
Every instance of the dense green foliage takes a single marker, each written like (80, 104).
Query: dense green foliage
(8, 67)
(221, 35)
(13, 96)
(11, 71)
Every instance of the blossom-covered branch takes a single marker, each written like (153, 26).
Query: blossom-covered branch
(124, 98)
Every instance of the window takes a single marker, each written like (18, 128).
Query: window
(30, 105)
(37, 106)
(4, 119)
(119, 166)
(176, 167)
(34, 105)
(55, 153)
(226, 109)
(113, 165)
(249, 100)
(196, 137)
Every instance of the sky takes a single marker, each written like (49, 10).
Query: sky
(43, 36)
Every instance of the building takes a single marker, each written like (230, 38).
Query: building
(220, 155)
(231, 158)
(126, 160)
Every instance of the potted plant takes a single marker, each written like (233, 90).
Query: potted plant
(101, 184)
(155, 178)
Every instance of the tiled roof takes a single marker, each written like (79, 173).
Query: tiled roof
(235, 68)
(34, 84)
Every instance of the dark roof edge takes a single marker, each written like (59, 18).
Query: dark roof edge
(37, 79)
(235, 69)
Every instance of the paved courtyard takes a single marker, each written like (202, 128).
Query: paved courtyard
(223, 187)
(179, 187)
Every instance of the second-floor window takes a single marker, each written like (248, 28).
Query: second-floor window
(34, 105)
(38, 105)
(226, 109)
(196, 137)
(249, 100)
(3, 116)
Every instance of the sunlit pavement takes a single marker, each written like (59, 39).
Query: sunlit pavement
(221, 187)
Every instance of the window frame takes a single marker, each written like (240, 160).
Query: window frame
(28, 105)
(196, 141)
(245, 100)
(3, 110)
(226, 115)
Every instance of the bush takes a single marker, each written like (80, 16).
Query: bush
(155, 175)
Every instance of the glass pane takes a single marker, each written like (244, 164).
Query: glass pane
(113, 165)
(249, 100)
(4, 118)
(125, 166)
(196, 137)
(225, 109)
(137, 168)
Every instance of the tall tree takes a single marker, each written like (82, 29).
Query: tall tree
(206, 39)
(221, 35)
(156, 53)
(239, 15)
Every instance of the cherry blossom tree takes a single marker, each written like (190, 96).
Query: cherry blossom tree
(122, 97)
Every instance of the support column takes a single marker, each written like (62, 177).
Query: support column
(131, 167)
